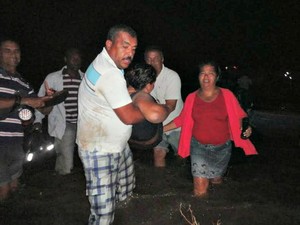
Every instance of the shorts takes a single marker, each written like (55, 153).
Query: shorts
(170, 139)
(11, 162)
(209, 161)
(109, 178)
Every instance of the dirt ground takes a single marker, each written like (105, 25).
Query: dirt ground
(261, 189)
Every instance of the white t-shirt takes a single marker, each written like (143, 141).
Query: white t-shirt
(102, 90)
(168, 87)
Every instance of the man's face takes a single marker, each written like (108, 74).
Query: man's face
(122, 49)
(10, 54)
(73, 61)
(154, 59)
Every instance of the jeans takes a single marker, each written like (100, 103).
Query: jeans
(170, 139)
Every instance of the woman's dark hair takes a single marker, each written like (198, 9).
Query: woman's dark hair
(213, 64)
(140, 75)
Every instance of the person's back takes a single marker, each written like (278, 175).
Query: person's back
(145, 134)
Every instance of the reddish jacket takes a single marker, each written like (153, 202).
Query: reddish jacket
(235, 114)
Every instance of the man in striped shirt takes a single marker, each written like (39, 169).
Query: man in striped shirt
(62, 120)
(12, 86)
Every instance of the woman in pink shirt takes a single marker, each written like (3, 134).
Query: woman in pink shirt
(210, 121)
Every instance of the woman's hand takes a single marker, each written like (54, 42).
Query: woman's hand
(247, 132)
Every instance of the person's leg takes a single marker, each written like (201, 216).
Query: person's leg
(159, 157)
(4, 191)
(220, 157)
(126, 176)
(14, 185)
(65, 150)
(216, 180)
(199, 169)
(11, 168)
(160, 151)
(4, 176)
(17, 157)
(173, 140)
(200, 186)
(101, 175)
(217, 160)
(59, 158)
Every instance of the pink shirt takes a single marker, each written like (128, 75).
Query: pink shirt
(235, 114)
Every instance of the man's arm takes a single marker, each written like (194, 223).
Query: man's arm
(129, 114)
(36, 103)
(6, 103)
(171, 104)
(9, 103)
(170, 126)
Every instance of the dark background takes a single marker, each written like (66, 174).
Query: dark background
(260, 37)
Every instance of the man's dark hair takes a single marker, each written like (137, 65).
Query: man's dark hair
(5, 39)
(154, 48)
(71, 51)
(140, 75)
(113, 31)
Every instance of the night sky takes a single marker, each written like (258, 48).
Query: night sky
(257, 35)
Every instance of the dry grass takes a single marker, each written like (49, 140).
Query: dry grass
(192, 219)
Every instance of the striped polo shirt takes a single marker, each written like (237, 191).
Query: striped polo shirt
(71, 103)
(11, 129)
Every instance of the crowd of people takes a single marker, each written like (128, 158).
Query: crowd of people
(109, 111)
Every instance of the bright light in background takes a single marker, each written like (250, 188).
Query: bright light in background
(288, 75)
(234, 67)
(50, 147)
(29, 157)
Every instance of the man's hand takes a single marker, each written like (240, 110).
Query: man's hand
(35, 102)
(49, 91)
